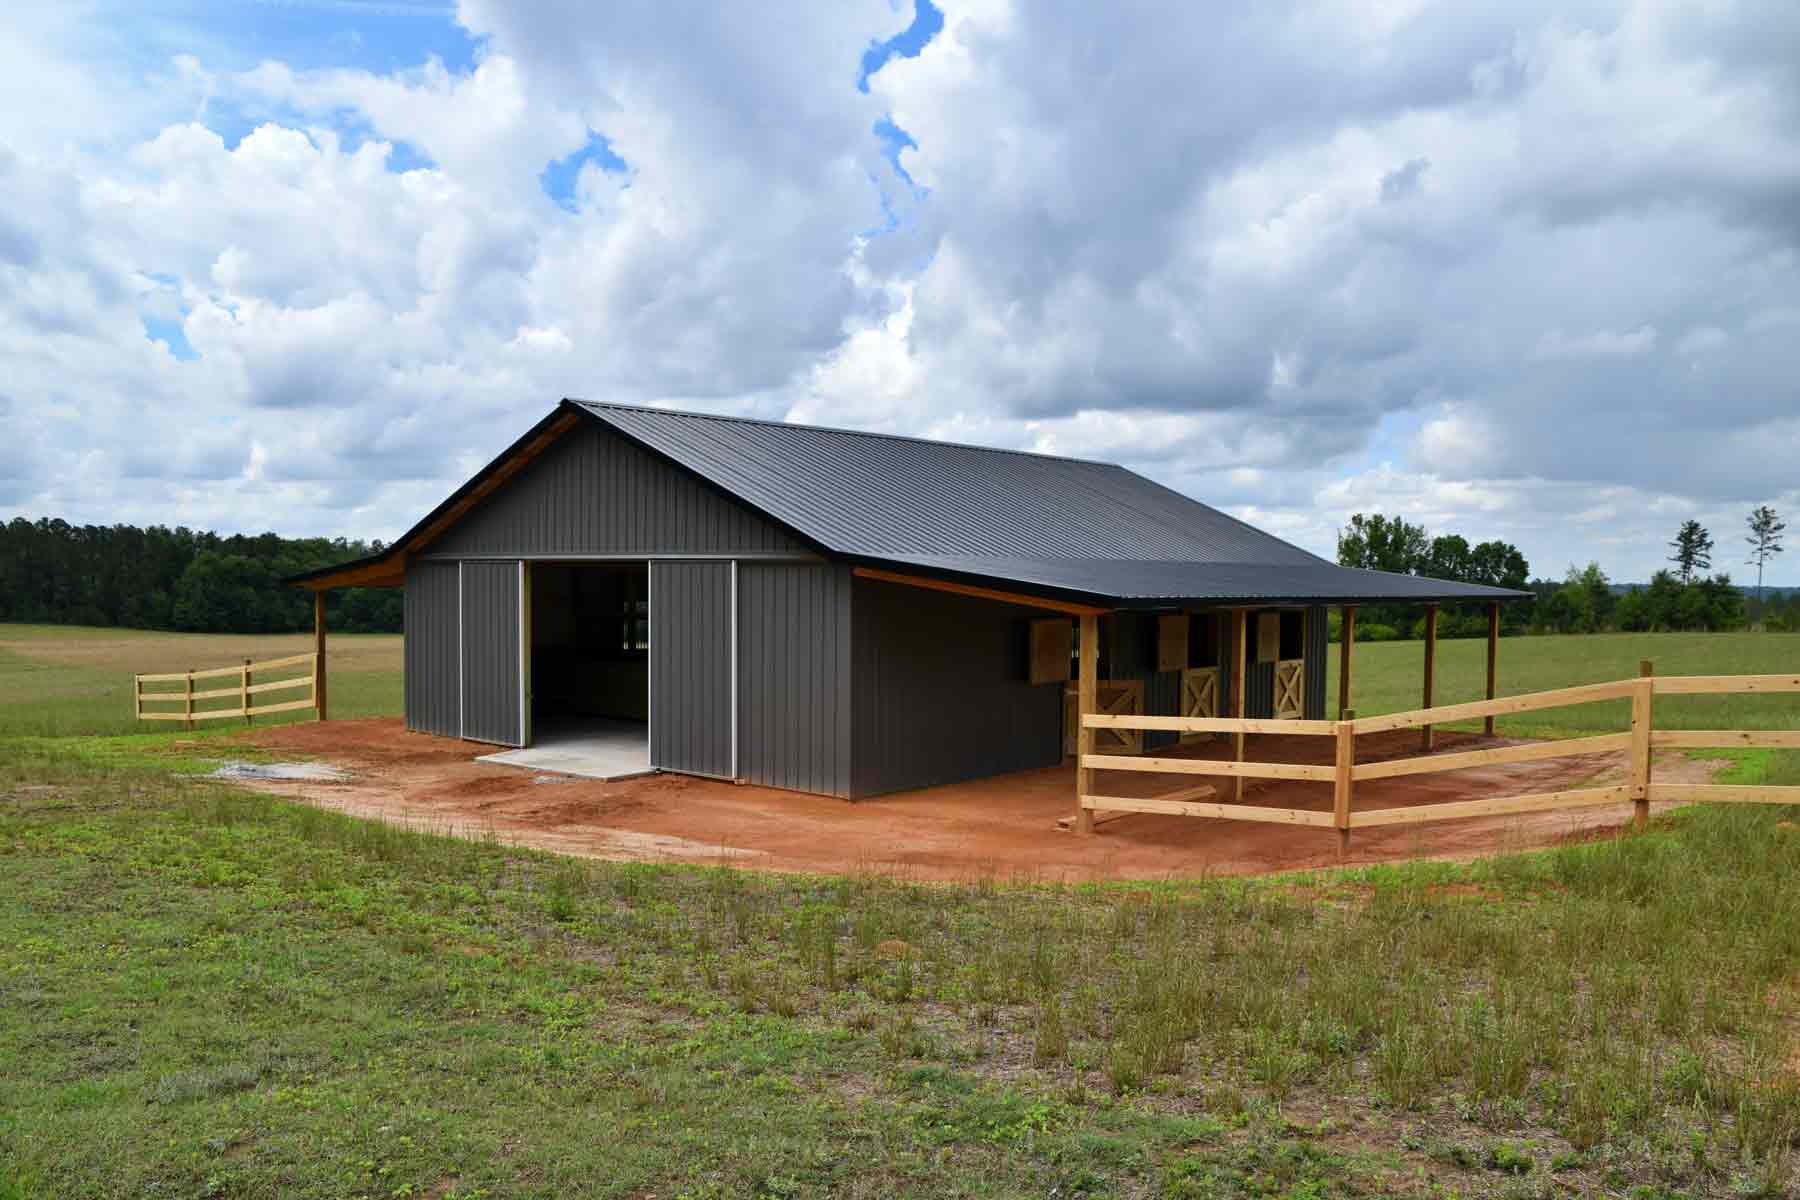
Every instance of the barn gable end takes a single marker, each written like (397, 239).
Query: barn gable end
(592, 492)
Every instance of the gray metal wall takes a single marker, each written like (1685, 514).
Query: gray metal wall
(690, 667)
(1259, 682)
(794, 676)
(433, 685)
(940, 691)
(1318, 655)
(491, 692)
(593, 492)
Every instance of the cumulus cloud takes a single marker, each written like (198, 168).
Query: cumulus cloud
(1528, 271)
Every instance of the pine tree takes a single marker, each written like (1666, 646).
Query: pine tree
(1693, 550)
(1766, 527)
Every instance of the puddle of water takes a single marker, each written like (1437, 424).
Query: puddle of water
(318, 772)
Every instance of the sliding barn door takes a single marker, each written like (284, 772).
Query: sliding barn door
(691, 676)
(493, 670)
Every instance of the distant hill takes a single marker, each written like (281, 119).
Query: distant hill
(1770, 591)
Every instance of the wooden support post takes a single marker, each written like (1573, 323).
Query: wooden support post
(319, 653)
(1240, 667)
(1346, 647)
(137, 697)
(1346, 767)
(1493, 677)
(188, 704)
(1431, 612)
(244, 691)
(1643, 697)
(1087, 689)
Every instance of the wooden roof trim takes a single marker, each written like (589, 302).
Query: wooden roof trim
(966, 589)
(390, 569)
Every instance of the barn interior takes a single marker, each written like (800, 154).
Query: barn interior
(590, 674)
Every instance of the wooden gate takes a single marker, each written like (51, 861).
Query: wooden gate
(1200, 692)
(1290, 689)
(1120, 697)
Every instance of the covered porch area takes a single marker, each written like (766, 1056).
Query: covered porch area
(1216, 720)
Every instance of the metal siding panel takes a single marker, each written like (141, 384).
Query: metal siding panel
(1318, 661)
(690, 668)
(939, 691)
(490, 652)
(791, 676)
(593, 492)
(430, 649)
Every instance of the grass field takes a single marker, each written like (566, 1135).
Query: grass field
(61, 680)
(209, 993)
(1386, 677)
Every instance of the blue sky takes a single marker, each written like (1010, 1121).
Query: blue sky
(1166, 237)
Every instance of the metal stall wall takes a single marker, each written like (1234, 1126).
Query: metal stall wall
(493, 679)
(1318, 655)
(594, 493)
(691, 667)
(793, 655)
(432, 650)
(1259, 682)
(942, 691)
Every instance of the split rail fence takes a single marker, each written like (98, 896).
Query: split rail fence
(244, 690)
(1344, 772)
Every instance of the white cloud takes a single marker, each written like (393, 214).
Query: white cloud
(1555, 249)
(1600, 344)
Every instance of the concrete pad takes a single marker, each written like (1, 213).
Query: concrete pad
(595, 750)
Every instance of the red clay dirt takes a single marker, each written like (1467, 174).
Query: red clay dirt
(1004, 828)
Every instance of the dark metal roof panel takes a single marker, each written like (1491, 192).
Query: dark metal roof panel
(878, 495)
(1150, 581)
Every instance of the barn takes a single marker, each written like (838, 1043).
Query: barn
(842, 612)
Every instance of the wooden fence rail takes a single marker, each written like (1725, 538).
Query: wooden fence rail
(244, 689)
(1344, 773)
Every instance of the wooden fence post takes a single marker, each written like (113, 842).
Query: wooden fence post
(137, 697)
(319, 654)
(1431, 614)
(1493, 663)
(1346, 648)
(1087, 690)
(188, 707)
(244, 692)
(1643, 698)
(1240, 667)
(1346, 766)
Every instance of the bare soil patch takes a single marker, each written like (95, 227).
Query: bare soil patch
(1001, 828)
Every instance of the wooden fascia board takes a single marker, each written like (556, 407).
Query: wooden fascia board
(984, 593)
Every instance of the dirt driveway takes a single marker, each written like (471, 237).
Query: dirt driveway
(1001, 828)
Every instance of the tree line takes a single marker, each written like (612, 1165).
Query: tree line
(1382, 543)
(1683, 597)
(52, 572)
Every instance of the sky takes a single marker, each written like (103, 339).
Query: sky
(1519, 270)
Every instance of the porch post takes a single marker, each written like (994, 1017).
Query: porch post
(1493, 660)
(1087, 690)
(1431, 614)
(1346, 647)
(319, 651)
(1239, 668)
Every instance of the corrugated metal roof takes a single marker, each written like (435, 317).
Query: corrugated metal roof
(1065, 524)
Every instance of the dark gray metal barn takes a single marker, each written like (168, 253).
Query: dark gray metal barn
(842, 612)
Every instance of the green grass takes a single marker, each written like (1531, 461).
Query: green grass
(1387, 678)
(205, 992)
(63, 681)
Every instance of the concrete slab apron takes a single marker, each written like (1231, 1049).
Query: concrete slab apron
(605, 752)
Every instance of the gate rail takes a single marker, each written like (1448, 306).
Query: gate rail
(243, 690)
(1344, 773)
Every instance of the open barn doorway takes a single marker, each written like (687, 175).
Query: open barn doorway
(590, 669)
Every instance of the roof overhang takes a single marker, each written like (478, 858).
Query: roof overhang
(388, 569)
